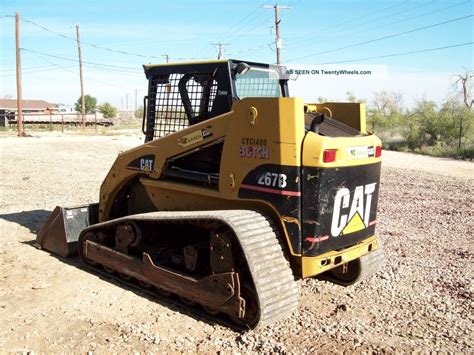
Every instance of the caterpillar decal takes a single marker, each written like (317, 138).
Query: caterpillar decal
(339, 206)
(358, 216)
(144, 163)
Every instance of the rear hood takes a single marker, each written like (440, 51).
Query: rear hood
(339, 197)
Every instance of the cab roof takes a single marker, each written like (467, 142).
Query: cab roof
(202, 62)
(150, 66)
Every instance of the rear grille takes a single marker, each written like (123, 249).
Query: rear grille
(329, 127)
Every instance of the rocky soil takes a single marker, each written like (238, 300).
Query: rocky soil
(420, 300)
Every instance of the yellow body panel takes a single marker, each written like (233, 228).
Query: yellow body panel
(319, 144)
(282, 137)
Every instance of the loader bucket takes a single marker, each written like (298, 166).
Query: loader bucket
(60, 233)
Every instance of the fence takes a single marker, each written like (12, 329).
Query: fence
(74, 119)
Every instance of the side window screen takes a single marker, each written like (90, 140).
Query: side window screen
(180, 100)
(258, 83)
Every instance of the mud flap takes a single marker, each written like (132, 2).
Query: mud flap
(60, 233)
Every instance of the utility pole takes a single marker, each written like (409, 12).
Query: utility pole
(83, 103)
(126, 101)
(19, 121)
(220, 45)
(136, 96)
(167, 57)
(277, 27)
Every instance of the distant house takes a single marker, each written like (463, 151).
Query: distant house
(8, 108)
(28, 106)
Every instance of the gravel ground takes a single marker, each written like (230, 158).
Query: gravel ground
(420, 300)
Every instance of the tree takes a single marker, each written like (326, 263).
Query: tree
(386, 109)
(89, 102)
(431, 127)
(457, 120)
(465, 83)
(107, 110)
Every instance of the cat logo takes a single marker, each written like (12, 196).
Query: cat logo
(146, 165)
(352, 210)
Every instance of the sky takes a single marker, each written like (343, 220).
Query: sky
(414, 48)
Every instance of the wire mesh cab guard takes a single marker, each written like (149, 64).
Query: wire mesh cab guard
(183, 95)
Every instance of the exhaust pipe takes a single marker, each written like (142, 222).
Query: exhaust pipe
(60, 233)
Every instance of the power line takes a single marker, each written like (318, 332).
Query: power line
(87, 77)
(35, 71)
(115, 71)
(306, 38)
(23, 68)
(384, 37)
(112, 85)
(254, 49)
(250, 25)
(399, 54)
(289, 14)
(129, 53)
(75, 60)
(345, 22)
(242, 20)
(88, 43)
(100, 47)
(122, 72)
(389, 24)
(55, 64)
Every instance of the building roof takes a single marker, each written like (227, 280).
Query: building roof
(27, 104)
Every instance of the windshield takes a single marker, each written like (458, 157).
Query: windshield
(258, 82)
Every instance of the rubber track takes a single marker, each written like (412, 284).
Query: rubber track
(273, 279)
(278, 296)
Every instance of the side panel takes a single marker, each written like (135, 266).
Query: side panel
(264, 143)
(279, 186)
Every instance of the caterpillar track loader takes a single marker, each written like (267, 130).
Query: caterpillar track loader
(237, 190)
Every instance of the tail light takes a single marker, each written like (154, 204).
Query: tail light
(329, 155)
(378, 151)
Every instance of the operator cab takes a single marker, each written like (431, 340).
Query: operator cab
(181, 95)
